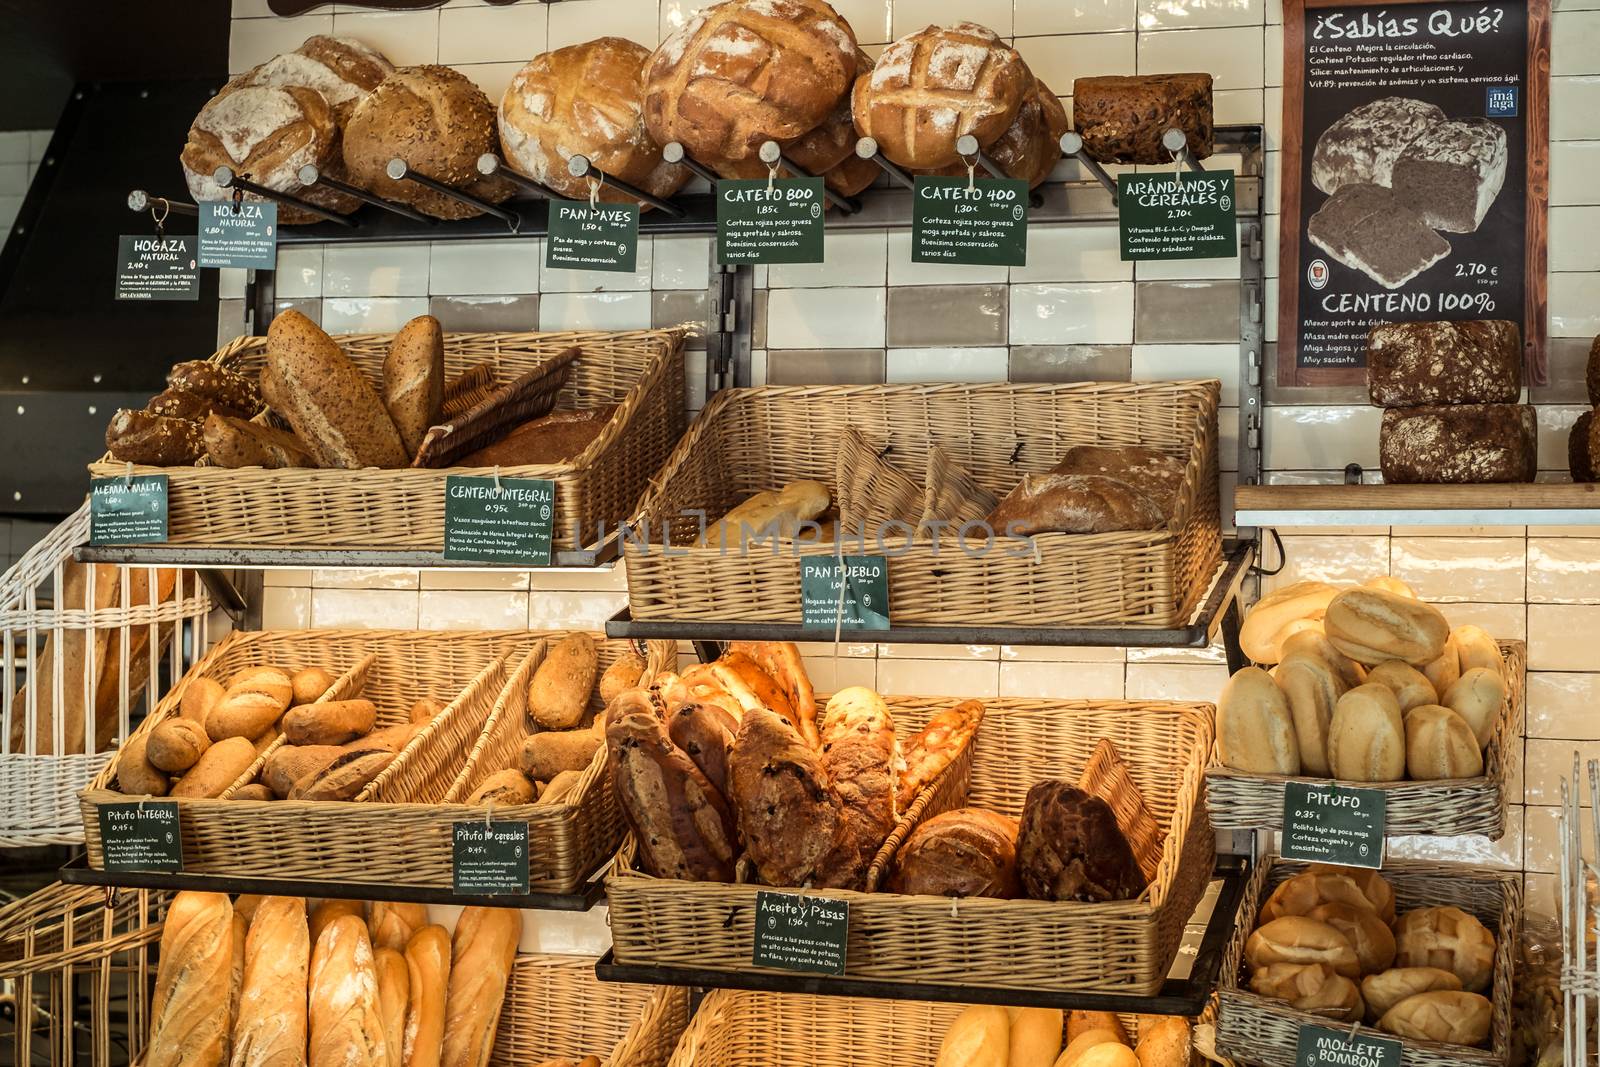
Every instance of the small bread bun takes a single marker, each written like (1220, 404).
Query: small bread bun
(1440, 745)
(1164, 1042)
(1478, 697)
(1452, 1017)
(1367, 737)
(1337, 998)
(1312, 689)
(1105, 1054)
(1390, 584)
(1263, 631)
(1297, 939)
(1383, 991)
(1311, 641)
(1443, 672)
(1081, 1022)
(1371, 626)
(1447, 938)
(1411, 687)
(1255, 732)
(1475, 648)
(1370, 935)
(1080, 1045)
(1372, 884)
(1289, 981)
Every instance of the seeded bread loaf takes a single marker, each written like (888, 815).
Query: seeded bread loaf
(154, 440)
(1410, 364)
(232, 442)
(1463, 443)
(1122, 117)
(326, 398)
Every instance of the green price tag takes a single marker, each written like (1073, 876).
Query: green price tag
(157, 268)
(854, 595)
(499, 520)
(954, 220)
(239, 235)
(795, 932)
(128, 511)
(1327, 823)
(1160, 216)
(778, 221)
(604, 237)
(141, 836)
(489, 858)
(1324, 1046)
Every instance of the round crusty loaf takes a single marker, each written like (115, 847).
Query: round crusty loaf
(1029, 147)
(1318, 885)
(585, 99)
(1367, 737)
(1440, 745)
(1580, 462)
(1478, 696)
(343, 70)
(1384, 991)
(1442, 1015)
(1374, 887)
(1255, 729)
(436, 120)
(746, 71)
(1372, 626)
(1297, 939)
(968, 852)
(1268, 624)
(936, 85)
(262, 132)
(1448, 938)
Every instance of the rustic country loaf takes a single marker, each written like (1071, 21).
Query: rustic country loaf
(342, 69)
(1365, 143)
(1031, 145)
(1074, 503)
(1461, 443)
(933, 87)
(858, 756)
(1122, 118)
(786, 808)
(326, 398)
(1410, 364)
(746, 71)
(969, 852)
(1069, 847)
(828, 150)
(1580, 460)
(586, 99)
(1591, 375)
(261, 132)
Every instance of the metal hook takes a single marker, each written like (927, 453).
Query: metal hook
(594, 195)
(166, 209)
(127, 474)
(498, 489)
(238, 197)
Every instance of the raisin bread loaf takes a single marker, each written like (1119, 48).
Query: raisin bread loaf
(1121, 118)
(1462, 443)
(1414, 363)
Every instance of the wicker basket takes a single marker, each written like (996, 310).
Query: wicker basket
(1241, 801)
(90, 638)
(748, 440)
(641, 371)
(556, 1007)
(332, 841)
(1125, 947)
(1258, 1030)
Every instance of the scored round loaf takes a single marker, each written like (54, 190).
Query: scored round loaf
(438, 121)
(1313, 689)
(1255, 729)
(1289, 981)
(1028, 150)
(933, 87)
(1074, 503)
(1373, 886)
(969, 852)
(1448, 938)
(1148, 470)
(1409, 685)
(1310, 889)
(1478, 696)
(1262, 632)
(342, 69)
(1369, 935)
(262, 132)
(1372, 626)
(1442, 1015)
(1337, 998)
(1298, 939)
(1440, 745)
(746, 71)
(586, 99)
(1384, 991)
(1367, 737)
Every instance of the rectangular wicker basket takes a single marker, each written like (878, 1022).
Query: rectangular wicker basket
(556, 1007)
(641, 371)
(1122, 947)
(1241, 801)
(484, 674)
(1263, 1031)
(750, 440)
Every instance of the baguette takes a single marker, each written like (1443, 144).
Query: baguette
(330, 909)
(327, 399)
(344, 1010)
(393, 994)
(427, 978)
(329, 722)
(1035, 1037)
(979, 1037)
(189, 1013)
(392, 923)
(413, 380)
(481, 955)
(271, 1028)
(1082, 1022)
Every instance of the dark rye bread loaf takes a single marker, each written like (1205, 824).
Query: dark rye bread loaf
(1410, 364)
(1580, 459)
(1121, 117)
(1452, 173)
(1592, 372)
(1458, 444)
(1364, 144)
(1069, 847)
(1368, 229)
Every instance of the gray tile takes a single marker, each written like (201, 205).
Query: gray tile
(923, 316)
(758, 319)
(25, 533)
(1273, 393)
(1186, 312)
(669, 307)
(468, 314)
(1568, 360)
(825, 366)
(1071, 363)
(230, 320)
(310, 307)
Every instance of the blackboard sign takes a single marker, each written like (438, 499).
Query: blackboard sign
(243, 234)
(1324, 1046)
(761, 221)
(604, 237)
(853, 592)
(1327, 823)
(1416, 162)
(1162, 215)
(489, 857)
(499, 520)
(795, 932)
(960, 220)
(157, 268)
(141, 836)
(128, 511)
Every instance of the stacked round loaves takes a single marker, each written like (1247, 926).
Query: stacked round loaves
(990, 1036)
(1328, 941)
(1583, 440)
(1366, 684)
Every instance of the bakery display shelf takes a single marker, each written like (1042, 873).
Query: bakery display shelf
(1178, 996)
(1500, 504)
(1217, 613)
(78, 872)
(602, 555)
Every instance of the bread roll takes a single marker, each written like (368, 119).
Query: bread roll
(979, 1037)
(189, 1014)
(1440, 745)
(1372, 626)
(135, 775)
(1289, 981)
(329, 722)
(310, 683)
(1447, 938)
(326, 398)
(1081, 1022)
(1367, 738)
(624, 673)
(199, 697)
(330, 909)
(1372, 885)
(550, 752)
(1262, 633)
(1443, 672)
(1104, 1054)
(1255, 730)
(425, 710)
(1308, 890)
(176, 744)
(219, 767)
(1085, 1040)
(388, 738)
(427, 978)
(508, 787)
(392, 923)
(1165, 1042)
(968, 852)
(705, 733)
(1298, 939)
(287, 764)
(1475, 648)
(346, 1016)
(1478, 696)
(1390, 584)
(1337, 998)
(1453, 1017)
(1312, 689)
(481, 955)
(1305, 638)
(1035, 1037)
(764, 513)
(562, 683)
(1369, 935)
(233, 443)
(270, 1030)
(344, 778)
(1410, 686)
(1383, 991)
(251, 705)
(555, 791)
(393, 995)
(253, 791)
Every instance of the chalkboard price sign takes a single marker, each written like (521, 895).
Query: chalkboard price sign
(157, 268)
(243, 234)
(959, 220)
(1327, 823)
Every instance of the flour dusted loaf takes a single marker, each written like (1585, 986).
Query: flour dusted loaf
(1122, 117)
(936, 85)
(586, 99)
(1364, 144)
(1410, 364)
(189, 1018)
(1150, 471)
(1368, 228)
(1452, 172)
(1031, 145)
(263, 132)
(829, 148)
(1074, 503)
(858, 758)
(1463, 443)
(746, 71)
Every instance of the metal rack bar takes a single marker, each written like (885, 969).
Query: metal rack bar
(227, 179)
(245, 558)
(771, 153)
(674, 153)
(867, 148)
(1072, 145)
(967, 147)
(1176, 142)
(579, 166)
(139, 200)
(491, 166)
(309, 176)
(399, 170)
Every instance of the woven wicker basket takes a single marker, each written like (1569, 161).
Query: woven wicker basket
(748, 440)
(1125, 947)
(641, 371)
(1258, 1030)
(329, 841)
(1240, 801)
(556, 1007)
(110, 656)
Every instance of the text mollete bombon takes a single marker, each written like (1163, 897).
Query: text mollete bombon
(1324, 1046)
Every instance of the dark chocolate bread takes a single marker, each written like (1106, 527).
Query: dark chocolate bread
(1069, 847)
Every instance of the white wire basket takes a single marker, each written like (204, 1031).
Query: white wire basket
(1580, 913)
(89, 648)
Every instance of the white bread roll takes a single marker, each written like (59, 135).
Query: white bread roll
(1035, 1039)
(1411, 687)
(1367, 738)
(1289, 981)
(1164, 1041)
(1372, 885)
(1440, 745)
(1371, 626)
(1308, 890)
(189, 1015)
(1312, 689)
(1307, 639)
(1080, 1045)
(1262, 633)
(1475, 648)
(1390, 584)
(481, 955)
(1447, 938)
(427, 979)
(1081, 1022)
(1443, 672)
(343, 1006)
(1255, 731)
(979, 1037)
(1383, 991)
(1451, 1017)
(1478, 696)
(1298, 939)
(1369, 935)
(1105, 1054)
(270, 1030)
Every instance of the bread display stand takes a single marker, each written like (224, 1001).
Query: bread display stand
(1264, 1031)
(1365, 504)
(1242, 801)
